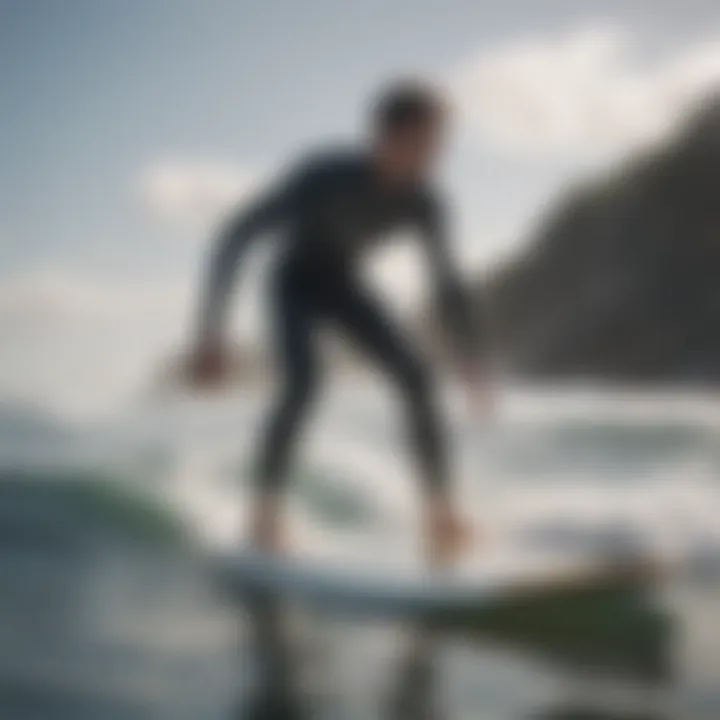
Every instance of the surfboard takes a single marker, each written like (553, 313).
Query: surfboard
(498, 578)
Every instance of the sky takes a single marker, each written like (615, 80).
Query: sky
(129, 127)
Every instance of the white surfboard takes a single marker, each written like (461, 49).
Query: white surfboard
(386, 591)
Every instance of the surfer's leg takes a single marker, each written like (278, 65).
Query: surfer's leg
(294, 323)
(299, 379)
(364, 321)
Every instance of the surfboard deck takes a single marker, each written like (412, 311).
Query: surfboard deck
(387, 591)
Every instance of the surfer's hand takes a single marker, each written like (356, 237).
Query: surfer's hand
(447, 533)
(207, 365)
(267, 531)
(480, 393)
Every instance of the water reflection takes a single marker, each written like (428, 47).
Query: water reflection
(574, 711)
(279, 688)
(580, 711)
(414, 675)
(275, 692)
(414, 691)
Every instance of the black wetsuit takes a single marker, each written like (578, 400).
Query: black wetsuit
(333, 209)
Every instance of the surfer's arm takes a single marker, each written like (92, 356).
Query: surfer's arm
(265, 213)
(457, 310)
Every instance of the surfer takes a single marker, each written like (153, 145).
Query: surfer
(333, 208)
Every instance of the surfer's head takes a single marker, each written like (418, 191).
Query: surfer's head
(409, 122)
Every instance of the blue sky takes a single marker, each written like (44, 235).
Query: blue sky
(115, 113)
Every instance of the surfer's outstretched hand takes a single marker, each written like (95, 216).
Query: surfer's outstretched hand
(267, 528)
(207, 365)
(480, 390)
(483, 399)
(447, 533)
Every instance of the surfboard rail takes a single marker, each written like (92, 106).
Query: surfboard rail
(363, 591)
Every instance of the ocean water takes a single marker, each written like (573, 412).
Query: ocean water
(108, 609)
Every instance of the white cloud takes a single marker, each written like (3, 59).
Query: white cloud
(54, 296)
(77, 341)
(589, 91)
(194, 194)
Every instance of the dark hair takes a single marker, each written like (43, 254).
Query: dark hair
(405, 104)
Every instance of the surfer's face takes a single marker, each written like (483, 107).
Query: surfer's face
(410, 153)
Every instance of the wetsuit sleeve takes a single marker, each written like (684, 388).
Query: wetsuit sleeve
(458, 311)
(271, 209)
